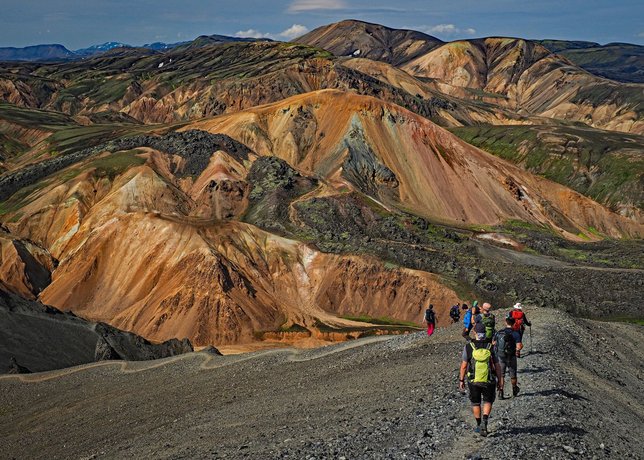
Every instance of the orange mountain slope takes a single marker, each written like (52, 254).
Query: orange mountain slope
(405, 160)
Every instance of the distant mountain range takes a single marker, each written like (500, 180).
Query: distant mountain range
(56, 52)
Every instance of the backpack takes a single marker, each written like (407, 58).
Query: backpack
(480, 368)
(506, 346)
(489, 321)
(455, 311)
(518, 319)
(430, 316)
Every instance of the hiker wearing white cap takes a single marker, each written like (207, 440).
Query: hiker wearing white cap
(520, 321)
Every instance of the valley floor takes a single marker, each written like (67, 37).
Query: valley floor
(385, 397)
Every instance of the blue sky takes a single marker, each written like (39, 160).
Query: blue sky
(80, 23)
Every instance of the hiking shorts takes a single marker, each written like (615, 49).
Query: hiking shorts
(487, 393)
(509, 363)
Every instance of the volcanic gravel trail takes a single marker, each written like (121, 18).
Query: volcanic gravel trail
(393, 397)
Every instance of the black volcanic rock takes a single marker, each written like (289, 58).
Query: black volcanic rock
(15, 368)
(104, 351)
(133, 347)
(43, 338)
(211, 350)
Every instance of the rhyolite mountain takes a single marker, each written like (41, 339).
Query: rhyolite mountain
(264, 191)
(371, 41)
(225, 238)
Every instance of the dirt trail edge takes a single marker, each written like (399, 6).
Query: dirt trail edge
(390, 398)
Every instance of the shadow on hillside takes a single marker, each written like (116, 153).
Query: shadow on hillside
(534, 370)
(545, 430)
(535, 352)
(554, 392)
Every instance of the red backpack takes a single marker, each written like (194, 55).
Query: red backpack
(518, 319)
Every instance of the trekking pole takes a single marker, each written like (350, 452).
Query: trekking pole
(531, 347)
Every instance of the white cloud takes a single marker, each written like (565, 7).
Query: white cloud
(641, 34)
(308, 5)
(296, 30)
(445, 29)
(252, 33)
(442, 29)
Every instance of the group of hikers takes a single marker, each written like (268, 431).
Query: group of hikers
(488, 355)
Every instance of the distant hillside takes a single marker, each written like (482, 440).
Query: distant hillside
(618, 61)
(95, 49)
(36, 53)
(524, 76)
(372, 41)
(39, 53)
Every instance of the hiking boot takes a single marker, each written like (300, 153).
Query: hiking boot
(515, 390)
(484, 431)
(500, 394)
(477, 429)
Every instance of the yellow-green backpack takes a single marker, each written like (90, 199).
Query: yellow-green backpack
(480, 371)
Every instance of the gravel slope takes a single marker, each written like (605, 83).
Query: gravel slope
(378, 398)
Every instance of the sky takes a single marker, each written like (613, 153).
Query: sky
(81, 23)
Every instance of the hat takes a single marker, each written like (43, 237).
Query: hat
(486, 307)
(518, 306)
(475, 303)
(479, 329)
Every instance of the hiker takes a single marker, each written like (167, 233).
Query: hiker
(481, 365)
(507, 344)
(488, 320)
(430, 319)
(520, 321)
(468, 320)
(455, 313)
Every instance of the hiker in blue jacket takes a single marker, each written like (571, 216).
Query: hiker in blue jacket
(468, 320)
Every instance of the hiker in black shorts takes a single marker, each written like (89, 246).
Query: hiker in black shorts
(481, 365)
(507, 344)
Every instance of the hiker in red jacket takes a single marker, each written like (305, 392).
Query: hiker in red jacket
(430, 319)
(520, 321)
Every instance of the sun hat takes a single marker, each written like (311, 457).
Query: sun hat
(518, 306)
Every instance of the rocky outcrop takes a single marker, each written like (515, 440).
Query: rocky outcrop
(15, 368)
(211, 350)
(104, 351)
(25, 267)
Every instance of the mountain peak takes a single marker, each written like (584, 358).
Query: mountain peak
(373, 41)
